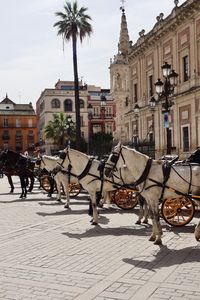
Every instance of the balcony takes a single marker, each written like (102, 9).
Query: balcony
(5, 137)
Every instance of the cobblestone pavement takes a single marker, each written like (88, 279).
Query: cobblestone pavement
(48, 252)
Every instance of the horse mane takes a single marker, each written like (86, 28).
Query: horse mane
(137, 152)
(53, 158)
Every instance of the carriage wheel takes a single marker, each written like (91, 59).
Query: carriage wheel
(125, 199)
(74, 189)
(45, 182)
(178, 211)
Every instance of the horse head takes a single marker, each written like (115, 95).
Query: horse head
(112, 160)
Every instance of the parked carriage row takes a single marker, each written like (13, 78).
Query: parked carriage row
(176, 211)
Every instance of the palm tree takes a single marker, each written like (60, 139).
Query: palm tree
(74, 23)
(59, 129)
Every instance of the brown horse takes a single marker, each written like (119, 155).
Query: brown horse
(15, 164)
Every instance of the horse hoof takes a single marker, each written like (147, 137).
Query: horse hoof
(94, 223)
(138, 222)
(152, 239)
(158, 242)
(11, 191)
(91, 220)
(145, 222)
(59, 200)
(66, 206)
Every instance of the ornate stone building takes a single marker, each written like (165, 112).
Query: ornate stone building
(137, 66)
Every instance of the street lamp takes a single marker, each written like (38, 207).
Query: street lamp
(90, 113)
(165, 91)
(136, 111)
(69, 126)
(152, 105)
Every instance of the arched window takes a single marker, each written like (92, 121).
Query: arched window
(55, 103)
(68, 105)
(82, 104)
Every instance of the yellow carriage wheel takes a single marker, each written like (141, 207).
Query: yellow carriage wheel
(125, 199)
(45, 182)
(178, 211)
(74, 189)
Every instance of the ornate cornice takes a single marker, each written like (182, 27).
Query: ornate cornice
(163, 27)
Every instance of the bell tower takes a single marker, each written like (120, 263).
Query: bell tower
(119, 73)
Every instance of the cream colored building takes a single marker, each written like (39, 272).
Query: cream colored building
(62, 99)
(174, 39)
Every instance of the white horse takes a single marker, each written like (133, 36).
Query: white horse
(149, 177)
(87, 171)
(58, 166)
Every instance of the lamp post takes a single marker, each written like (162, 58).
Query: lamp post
(90, 113)
(69, 126)
(165, 90)
(152, 105)
(136, 111)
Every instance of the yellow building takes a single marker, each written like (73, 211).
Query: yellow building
(135, 70)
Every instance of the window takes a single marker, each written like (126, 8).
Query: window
(185, 134)
(150, 91)
(18, 123)
(82, 122)
(68, 105)
(185, 68)
(30, 123)
(55, 103)
(135, 93)
(6, 135)
(5, 123)
(18, 135)
(82, 104)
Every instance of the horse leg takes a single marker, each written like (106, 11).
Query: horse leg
(22, 182)
(142, 202)
(197, 231)
(141, 214)
(11, 183)
(94, 208)
(156, 227)
(32, 179)
(146, 213)
(66, 191)
(52, 182)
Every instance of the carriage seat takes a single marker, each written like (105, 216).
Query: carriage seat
(194, 157)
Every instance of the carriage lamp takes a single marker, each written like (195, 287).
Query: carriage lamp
(152, 104)
(136, 110)
(165, 91)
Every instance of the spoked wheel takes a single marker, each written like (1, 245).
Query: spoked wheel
(74, 189)
(125, 199)
(46, 182)
(178, 211)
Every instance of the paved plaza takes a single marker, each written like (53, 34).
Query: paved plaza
(48, 252)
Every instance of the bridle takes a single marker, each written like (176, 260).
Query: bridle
(111, 167)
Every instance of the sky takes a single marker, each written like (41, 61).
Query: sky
(32, 56)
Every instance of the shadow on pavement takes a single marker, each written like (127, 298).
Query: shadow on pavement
(99, 231)
(166, 257)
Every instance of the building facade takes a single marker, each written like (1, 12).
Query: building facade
(62, 99)
(18, 129)
(137, 66)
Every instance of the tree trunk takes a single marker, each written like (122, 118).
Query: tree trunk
(76, 90)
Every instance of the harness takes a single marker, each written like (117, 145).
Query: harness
(166, 168)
